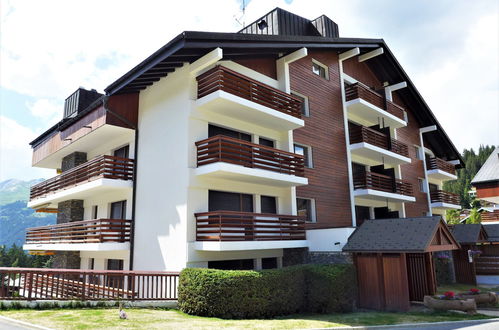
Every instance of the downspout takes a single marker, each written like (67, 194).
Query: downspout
(134, 177)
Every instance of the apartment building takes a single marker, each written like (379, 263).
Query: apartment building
(239, 151)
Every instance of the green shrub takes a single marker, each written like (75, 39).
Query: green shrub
(267, 293)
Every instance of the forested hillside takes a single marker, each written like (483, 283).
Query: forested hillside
(474, 162)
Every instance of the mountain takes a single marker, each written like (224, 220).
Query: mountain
(15, 216)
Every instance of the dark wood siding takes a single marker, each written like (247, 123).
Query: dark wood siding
(324, 132)
(465, 270)
(369, 281)
(264, 66)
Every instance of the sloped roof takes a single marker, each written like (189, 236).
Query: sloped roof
(489, 170)
(469, 233)
(417, 235)
(492, 231)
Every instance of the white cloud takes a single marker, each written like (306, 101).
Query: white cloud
(48, 111)
(15, 154)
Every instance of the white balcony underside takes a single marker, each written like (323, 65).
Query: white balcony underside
(96, 141)
(440, 175)
(368, 114)
(251, 175)
(368, 154)
(440, 206)
(226, 104)
(376, 198)
(248, 245)
(81, 191)
(79, 247)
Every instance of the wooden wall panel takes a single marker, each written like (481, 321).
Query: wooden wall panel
(361, 72)
(263, 65)
(395, 282)
(465, 270)
(324, 132)
(370, 282)
(126, 106)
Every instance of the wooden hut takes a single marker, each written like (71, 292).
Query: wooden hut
(487, 265)
(469, 236)
(393, 258)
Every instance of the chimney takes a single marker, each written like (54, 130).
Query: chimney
(79, 100)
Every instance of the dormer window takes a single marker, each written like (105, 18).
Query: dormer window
(320, 69)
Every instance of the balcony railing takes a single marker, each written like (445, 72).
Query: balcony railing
(490, 216)
(368, 135)
(247, 226)
(229, 150)
(76, 284)
(440, 196)
(88, 231)
(222, 78)
(361, 91)
(108, 167)
(375, 181)
(433, 163)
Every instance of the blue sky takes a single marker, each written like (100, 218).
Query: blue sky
(449, 48)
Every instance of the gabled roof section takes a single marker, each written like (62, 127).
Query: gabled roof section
(492, 231)
(469, 233)
(190, 46)
(414, 235)
(490, 169)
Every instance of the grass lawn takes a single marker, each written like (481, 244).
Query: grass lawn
(107, 318)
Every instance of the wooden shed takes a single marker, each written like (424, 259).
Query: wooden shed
(487, 264)
(393, 258)
(470, 237)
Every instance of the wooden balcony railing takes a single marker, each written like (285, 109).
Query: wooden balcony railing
(229, 150)
(222, 78)
(440, 196)
(490, 216)
(375, 181)
(76, 284)
(361, 91)
(247, 226)
(88, 231)
(108, 167)
(487, 265)
(368, 135)
(433, 163)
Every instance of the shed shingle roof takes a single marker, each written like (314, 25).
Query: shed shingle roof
(467, 233)
(492, 231)
(395, 235)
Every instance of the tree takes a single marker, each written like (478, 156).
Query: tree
(474, 217)
(452, 217)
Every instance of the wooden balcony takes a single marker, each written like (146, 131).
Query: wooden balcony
(371, 147)
(232, 226)
(261, 159)
(102, 167)
(81, 232)
(440, 196)
(490, 216)
(373, 189)
(440, 169)
(367, 106)
(229, 93)
(75, 284)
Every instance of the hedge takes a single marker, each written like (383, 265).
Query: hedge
(267, 293)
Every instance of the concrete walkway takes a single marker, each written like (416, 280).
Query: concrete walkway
(6, 323)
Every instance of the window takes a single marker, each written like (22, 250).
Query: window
(217, 130)
(320, 69)
(118, 210)
(227, 201)
(417, 152)
(306, 152)
(269, 263)
(266, 142)
(268, 204)
(304, 106)
(241, 264)
(305, 207)
(95, 210)
(114, 264)
(421, 185)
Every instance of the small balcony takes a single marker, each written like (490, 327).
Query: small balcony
(229, 158)
(370, 147)
(226, 92)
(444, 200)
(440, 170)
(231, 231)
(101, 174)
(88, 235)
(365, 106)
(373, 189)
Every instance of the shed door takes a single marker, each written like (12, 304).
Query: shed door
(464, 269)
(370, 282)
(421, 276)
(395, 282)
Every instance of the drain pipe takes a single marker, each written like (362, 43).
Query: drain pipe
(134, 176)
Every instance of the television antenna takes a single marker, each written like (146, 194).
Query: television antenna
(240, 19)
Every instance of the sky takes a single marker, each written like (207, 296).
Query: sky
(449, 48)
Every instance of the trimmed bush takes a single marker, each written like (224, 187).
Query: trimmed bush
(267, 293)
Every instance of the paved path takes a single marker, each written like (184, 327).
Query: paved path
(470, 325)
(11, 324)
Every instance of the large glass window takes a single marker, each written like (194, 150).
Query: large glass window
(305, 208)
(306, 152)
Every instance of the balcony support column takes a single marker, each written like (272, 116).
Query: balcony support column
(425, 169)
